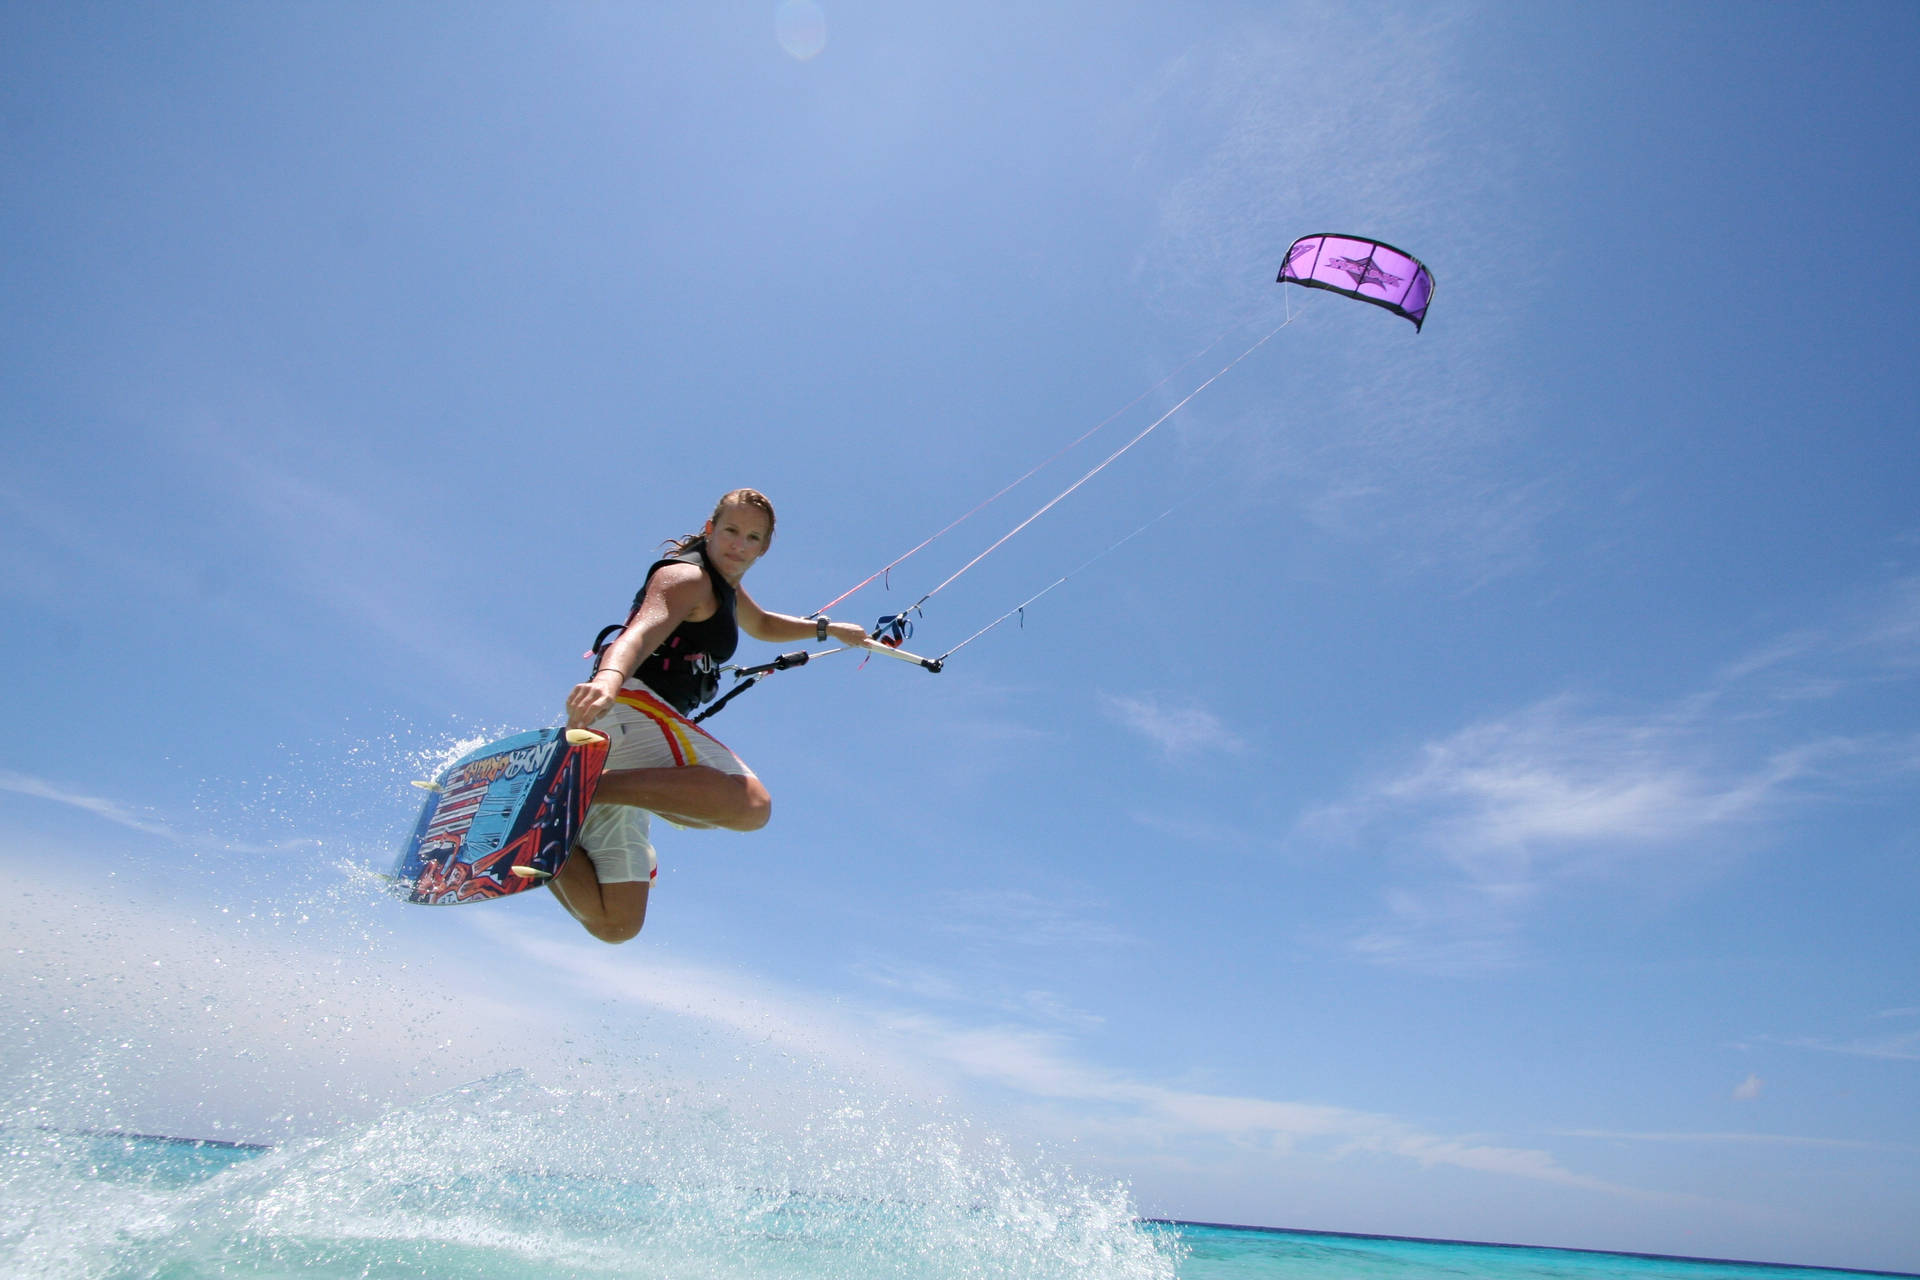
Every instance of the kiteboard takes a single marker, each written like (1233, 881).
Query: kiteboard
(501, 819)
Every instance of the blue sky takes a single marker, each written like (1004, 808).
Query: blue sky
(1484, 808)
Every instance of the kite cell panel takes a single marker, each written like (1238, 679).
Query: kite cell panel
(1364, 269)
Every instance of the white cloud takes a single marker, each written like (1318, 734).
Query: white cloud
(801, 1025)
(1482, 827)
(928, 986)
(1749, 1089)
(1899, 1047)
(125, 816)
(1506, 793)
(1873, 637)
(1494, 820)
(1002, 933)
(1178, 732)
(108, 810)
(1190, 828)
(1891, 630)
(1738, 1140)
(1489, 820)
(1152, 1116)
(1002, 918)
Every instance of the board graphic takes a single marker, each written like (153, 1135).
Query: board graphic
(501, 818)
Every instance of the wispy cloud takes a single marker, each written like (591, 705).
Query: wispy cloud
(1899, 1046)
(1000, 933)
(1893, 630)
(1481, 827)
(1177, 731)
(754, 1009)
(920, 1051)
(927, 986)
(1507, 794)
(100, 807)
(134, 820)
(1738, 1140)
(1873, 637)
(1003, 918)
(1488, 820)
(1189, 827)
(1038, 1065)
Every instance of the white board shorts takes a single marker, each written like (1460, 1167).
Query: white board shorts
(644, 732)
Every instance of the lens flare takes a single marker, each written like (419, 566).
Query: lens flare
(802, 28)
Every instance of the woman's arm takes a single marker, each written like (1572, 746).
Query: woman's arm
(674, 592)
(783, 628)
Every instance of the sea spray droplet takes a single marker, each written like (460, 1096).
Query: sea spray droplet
(801, 26)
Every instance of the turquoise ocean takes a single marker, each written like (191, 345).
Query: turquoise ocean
(504, 1180)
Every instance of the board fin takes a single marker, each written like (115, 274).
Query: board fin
(532, 873)
(424, 785)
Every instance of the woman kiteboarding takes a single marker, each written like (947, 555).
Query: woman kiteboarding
(685, 623)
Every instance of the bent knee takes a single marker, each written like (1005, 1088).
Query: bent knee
(614, 931)
(751, 806)
(621, 923)
(756, 806)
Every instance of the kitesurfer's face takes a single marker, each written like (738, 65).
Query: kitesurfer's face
(736, 537)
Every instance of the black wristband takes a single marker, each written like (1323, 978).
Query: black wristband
(820, 627)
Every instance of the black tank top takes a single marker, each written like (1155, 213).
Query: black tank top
(685, 669)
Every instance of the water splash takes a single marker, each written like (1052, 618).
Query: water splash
(279, 998)
(508, 1178)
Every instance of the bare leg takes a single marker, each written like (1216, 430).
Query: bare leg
(610, 912)
(690, 795)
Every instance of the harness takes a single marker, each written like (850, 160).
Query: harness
(685, 669)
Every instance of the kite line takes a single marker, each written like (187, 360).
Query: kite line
(1021, 608)
(893, 630)
(1364, 269)
(1011, 485)
(1104, 463)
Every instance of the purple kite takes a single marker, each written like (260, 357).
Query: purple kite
(1364, 269)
